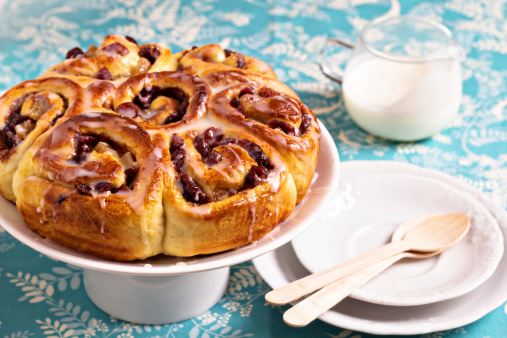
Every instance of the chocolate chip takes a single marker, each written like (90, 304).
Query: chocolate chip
(182, 109)
(116, 48)
(236, 104)
(174, 117)
(178, 158)
(177, 116)
(104, 74)
(228, 52)
(251, 180)
(256, 175)
(130, 175)
(255, 152)
(9, 139)
(260, 171)
(103, 187)
(131, 39)
(214, 158)
(240, 61)
(143, 99)
(212, 135)
(267, 93)
(150, 53)
(191, 191)
(85, 145)
(176, 142)
(129, 109)
(247, 90)
(55, 118)
(84, 189)
(284, 126)
(306, 121)
(201, 146)
(75, 53)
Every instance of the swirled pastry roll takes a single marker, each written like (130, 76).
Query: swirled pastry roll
(272, 112)
(116, 57)
(161, 99)
(26, 112)
(225, 189)
(95, 185)
(213, 58)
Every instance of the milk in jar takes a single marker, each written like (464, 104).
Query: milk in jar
(402, 101)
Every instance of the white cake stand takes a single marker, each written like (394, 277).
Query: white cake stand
(166, 289)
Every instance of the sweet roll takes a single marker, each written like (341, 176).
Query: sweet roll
(96, 186)
(225, 189)
(26, 112)
(161, 99)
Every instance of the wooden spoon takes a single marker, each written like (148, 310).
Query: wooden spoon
(428, 235)
(321, 301)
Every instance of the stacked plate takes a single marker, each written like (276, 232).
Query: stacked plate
(452, 289)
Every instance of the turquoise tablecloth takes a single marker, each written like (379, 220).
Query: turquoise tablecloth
(288, 35)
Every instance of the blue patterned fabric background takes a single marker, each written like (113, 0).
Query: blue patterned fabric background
(40, 297)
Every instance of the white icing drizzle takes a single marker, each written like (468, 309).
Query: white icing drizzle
(149, 113)
(52, 96)
(274, 180)
(87, 103)
(102, 201)
(73, 173)
(29, 84)
(203, 209)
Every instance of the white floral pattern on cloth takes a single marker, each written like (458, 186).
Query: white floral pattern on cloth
(43, 298)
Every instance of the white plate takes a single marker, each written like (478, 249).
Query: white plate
(364, 214)
(281, 267)
(322, 189)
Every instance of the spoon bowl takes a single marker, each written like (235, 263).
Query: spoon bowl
(436, 232)
(402, 229)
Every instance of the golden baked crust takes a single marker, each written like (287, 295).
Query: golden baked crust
(130, 151)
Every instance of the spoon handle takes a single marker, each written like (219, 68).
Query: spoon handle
(321, 301)
(313, 282)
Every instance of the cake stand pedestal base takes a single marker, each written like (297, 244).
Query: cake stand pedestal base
(155, 299)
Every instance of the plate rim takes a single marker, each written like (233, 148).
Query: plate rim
(441, 295)
(383, 328)
(150, 267)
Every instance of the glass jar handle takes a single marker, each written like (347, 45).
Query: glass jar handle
(324, 67)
